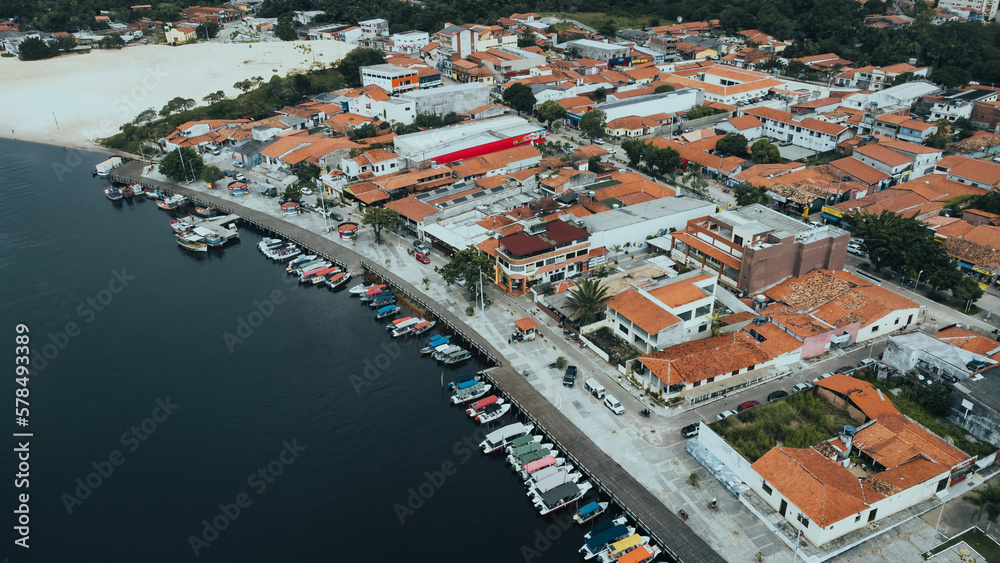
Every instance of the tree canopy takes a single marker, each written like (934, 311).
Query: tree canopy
(350, 65)
(379, 218)
(179, 168)
(519, 97)
(33, 49)
(592, 124)
(551, 110)
(764, 152)
(285, 30)
(734, 144)
(748, 194)
(587, 299)
(467, 264)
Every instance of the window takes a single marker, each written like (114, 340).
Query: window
(766, 487)
(875, 328)
(623, 328)
(857, 518)
(735, 372)
(805, 521)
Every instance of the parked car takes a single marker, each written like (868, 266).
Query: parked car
(307, 191)
(689, 129)
(747, 405)
(460, 281)
(784, 143)
(570, 378)
(690, 431)
(239, 176)
(614, 404)
(599, 141)
(420, 246)
(846, 370)
(801, 387)
(824, 376)
(228, 173)
(724, 414)
(271, 192)
(239, 164)
(855, 250)
(866, 362)
(422, 258)
(775, 395)
(334, 215)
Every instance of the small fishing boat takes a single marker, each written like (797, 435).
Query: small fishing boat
(455, 383)
(553, 478)
(266, 242)
(166, 205)
(156, 194)
(470, 393)
(561, 496)
(373, 293)
(433, 343)
(598, 539)
(540, 464)
(503, 436)
(444, 351)
(516, 456)
(522, 441)
(478, 407)
(181, 227)
(518, 463)
(382, 302)
(406, 327)
(456, 358)
(605, 525)
(589, 511)
(363, 288)
(330, 273)
(387, 311)
(193, 243)
(641, 554)
(113, 193)
(298, 261)
(205, 211)
(307, 276)
(393, 324)
(423, 327)
(618, 549)
(126, 192)
(492, 412)
(338, 280)
(306, 266)
(136, 189)
(211, 237)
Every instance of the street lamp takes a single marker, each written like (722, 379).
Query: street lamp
(916, 285)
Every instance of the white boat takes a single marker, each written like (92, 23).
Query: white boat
(526, 470)
(590, 511)
(361, 288)
(561, 496)
(522, 441)
(500, 437)
(518, 461)
(492, 412)
(423, 327)
(443, 351)
(193, 243)
(536, 488)
(299, 260)
(470, 393)
(604, 534)
(405, 327)
(211, 237)
(457, 358)
(338, 280)
(539, 476)
(477, 408)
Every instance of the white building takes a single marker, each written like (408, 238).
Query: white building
(410, 41)
(373, 28)
(820, 136)
(630, 226)
(391, 78)
(377, 161)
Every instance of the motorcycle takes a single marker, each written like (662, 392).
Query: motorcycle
(645, 413)
(683, 515)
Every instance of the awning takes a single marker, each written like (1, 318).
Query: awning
(830, 218)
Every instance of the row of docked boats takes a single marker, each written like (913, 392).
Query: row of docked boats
(117, 193)
(195, 238)
(614, 540)
(309, 269)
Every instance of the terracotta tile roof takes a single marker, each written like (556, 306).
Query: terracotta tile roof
(861, 393)
(654, 189)
(970, 340)
(681, 293)
(983, 256)
(584, 152)
(737, 318)
(373, 196)
(839, 298)
(643, 313)
(860, 171)
(982, 171)
(776, 341)
(822, 489)
(489, 246)
(525, 324)
(801, 324)
(902, 477)
(883, 155)
(894, 439)
(745, 122)
(698, 360)
(630, 123)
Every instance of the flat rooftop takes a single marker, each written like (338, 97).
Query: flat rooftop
(650, 210)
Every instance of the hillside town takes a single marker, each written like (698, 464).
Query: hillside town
(708, 198)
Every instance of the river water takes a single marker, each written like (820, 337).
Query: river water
(203, 406)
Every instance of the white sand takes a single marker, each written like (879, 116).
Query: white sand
(92, 95)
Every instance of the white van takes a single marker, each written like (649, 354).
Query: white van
(595, 388)
(614, 404)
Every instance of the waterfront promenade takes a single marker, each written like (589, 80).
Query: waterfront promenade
(677, 538)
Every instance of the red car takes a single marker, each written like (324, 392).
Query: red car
(747, 405)
(422, 258)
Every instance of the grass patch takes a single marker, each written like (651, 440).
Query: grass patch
(926, 407)
(976, 539)
(800, 421)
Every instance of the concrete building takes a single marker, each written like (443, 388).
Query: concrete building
(543, 252)
(468, 139)
(988, 8)
(391, 78)
(960, 104)
(616, 55)
(410, 41)
(645, 105)
(370, 29)
(630, 226)
(820, 136)
(756, 246)
(459, 98)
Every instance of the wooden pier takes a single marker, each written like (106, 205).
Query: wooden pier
(667, 530)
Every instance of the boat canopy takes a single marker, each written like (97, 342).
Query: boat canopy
(484, 402)
(409, 321)
(523, 440)
(521, 450)
(374, 291)
(205, 232)
(466, 384)
(539, 464)
(597, 542)
(508, 432)
(588, 509)
(638, 555)
(464, 378)
(560, 494)
(621, 546)
(386, 309)
(475, 388)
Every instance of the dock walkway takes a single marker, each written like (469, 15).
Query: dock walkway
(668, 531)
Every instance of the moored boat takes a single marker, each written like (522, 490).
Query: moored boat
(298, 261)
(363, 288)
(211, 237)
(113, 193)
(126, 192)
(166, 205)
(522, 441)
(455, 383)
(404, 328)
(205, 211)
(393, 324)
(516, 456)
(181, 227)
(539, 485)
(540, 464)
(470, 393)
(619, 548)
(589, 511)
(524, 459)
(561, 496)
(492, 412)
(605, 525)
(423, 327)
(156, 194)
(477, 407)
(193, 243)
(598, 539)
(387, 311)
(136, 189)
(338, 280)
(500, 437)
(641, 554)
(456, 358)
(433, 343)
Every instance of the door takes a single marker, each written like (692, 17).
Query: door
(784, 507)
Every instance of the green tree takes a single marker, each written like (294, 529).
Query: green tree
(178, 167)
(601, 94)
(350, 65)
(527, 39)
(467, 264)
(592, 124)
(734, 144)
(307, 172)
(764, 152)
(210, 29)
(963, 128)
(214, 97)
(796, 68)
(695, 181)
(594, 164)
(177, 104)
(607, 28)
(519, 97)
(663, 88)
(771, 64)
(986, 499)
(664, 160)
(212, 174)
(950, 76)
(292, 193)
(748, 194)
(379, 218)
(903, 78)
(285, 30)
(697, 112)
(243, 86)
(967, 289)
(989, 202)
(635, 150)
(550, 111)
(428, 121)
(33, 49)
(587, 300)
(364, 132)
(112, 41)
(145, 116)
(65, 43)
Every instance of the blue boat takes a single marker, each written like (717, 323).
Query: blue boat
(598, 542)
(382, 302)
(589, 511)
(434, 343)
(459, 381)
(387, 311)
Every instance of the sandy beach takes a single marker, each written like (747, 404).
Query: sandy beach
(73, 99)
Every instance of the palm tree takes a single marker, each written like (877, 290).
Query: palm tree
(986, 499)
(587, 299)
(618, 249)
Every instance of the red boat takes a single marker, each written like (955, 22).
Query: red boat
(481, 404)
(165, 205)
(205, 211)
(113, 193)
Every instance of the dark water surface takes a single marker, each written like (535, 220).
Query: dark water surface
(135, 389)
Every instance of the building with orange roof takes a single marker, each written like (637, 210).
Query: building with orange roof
(755, 246)
(497, 163)
(655, 314)
(292, 149)
(746, 125)
(376, 161)
(810, 133)
(861, 173)
(977, 173)
(543, 252)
